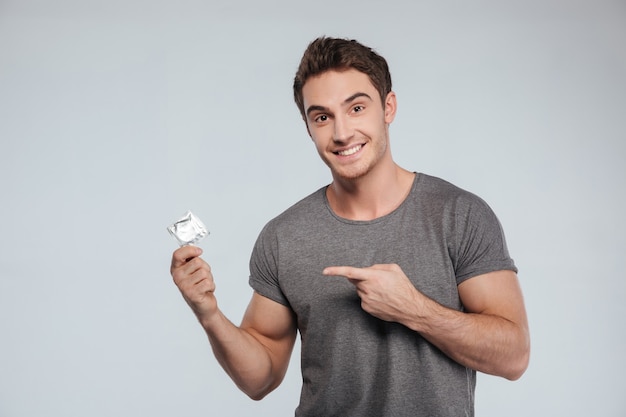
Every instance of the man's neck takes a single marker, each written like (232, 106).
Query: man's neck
(371, 196)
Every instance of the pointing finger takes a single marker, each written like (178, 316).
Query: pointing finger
(349, 272)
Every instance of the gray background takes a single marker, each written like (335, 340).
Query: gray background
(118, 116)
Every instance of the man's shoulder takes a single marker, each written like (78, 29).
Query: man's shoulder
(438, 186)
(433, 190)
(308, 207)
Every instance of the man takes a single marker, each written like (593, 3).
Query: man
(400, 284)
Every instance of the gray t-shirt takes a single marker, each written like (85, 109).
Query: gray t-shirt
(354, 364)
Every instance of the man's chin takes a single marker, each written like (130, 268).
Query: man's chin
(349, 174)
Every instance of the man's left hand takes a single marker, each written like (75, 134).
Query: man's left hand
(385, 290)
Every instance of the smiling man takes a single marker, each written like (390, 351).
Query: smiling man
(400, 283)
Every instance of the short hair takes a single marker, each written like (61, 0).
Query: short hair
(324, 54)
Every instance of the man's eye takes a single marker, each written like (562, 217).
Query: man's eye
(321, 118)
(357, 109)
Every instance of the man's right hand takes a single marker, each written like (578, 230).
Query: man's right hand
(256, 354)
(193, 277)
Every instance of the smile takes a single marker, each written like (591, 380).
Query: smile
(351, 151)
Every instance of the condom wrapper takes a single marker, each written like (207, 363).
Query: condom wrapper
(189, 230)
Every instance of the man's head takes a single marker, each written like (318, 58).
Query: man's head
(324, 54)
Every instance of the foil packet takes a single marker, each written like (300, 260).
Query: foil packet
(189, 230)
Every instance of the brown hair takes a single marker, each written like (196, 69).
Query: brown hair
(324, 54)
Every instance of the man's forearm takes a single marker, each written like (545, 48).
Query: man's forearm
(486, 343)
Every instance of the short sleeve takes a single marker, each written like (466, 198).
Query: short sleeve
(480, 242)
(264, 266)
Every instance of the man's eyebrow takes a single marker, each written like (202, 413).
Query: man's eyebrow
(315, 108)
(355, 96)
(346, 101)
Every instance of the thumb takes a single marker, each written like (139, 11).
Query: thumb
(185, 253)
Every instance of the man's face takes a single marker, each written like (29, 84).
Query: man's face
(347, 122)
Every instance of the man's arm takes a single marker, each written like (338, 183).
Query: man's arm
(490, 336)
(256, 354)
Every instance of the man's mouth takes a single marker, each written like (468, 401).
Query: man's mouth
(350, 151)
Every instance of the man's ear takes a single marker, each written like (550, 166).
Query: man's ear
(391, 106)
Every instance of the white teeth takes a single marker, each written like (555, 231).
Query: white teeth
(350, 151)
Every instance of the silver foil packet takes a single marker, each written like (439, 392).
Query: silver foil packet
(188, 230)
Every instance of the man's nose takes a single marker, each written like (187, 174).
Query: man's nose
(343, 130)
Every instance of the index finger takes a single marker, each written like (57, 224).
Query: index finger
(349, 272)
(183, 254)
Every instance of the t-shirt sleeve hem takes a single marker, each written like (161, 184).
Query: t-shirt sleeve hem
(268, 291)
(484, 269)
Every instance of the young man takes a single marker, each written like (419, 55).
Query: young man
(400, 284)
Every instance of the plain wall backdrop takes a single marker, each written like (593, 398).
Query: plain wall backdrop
(118, 116)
